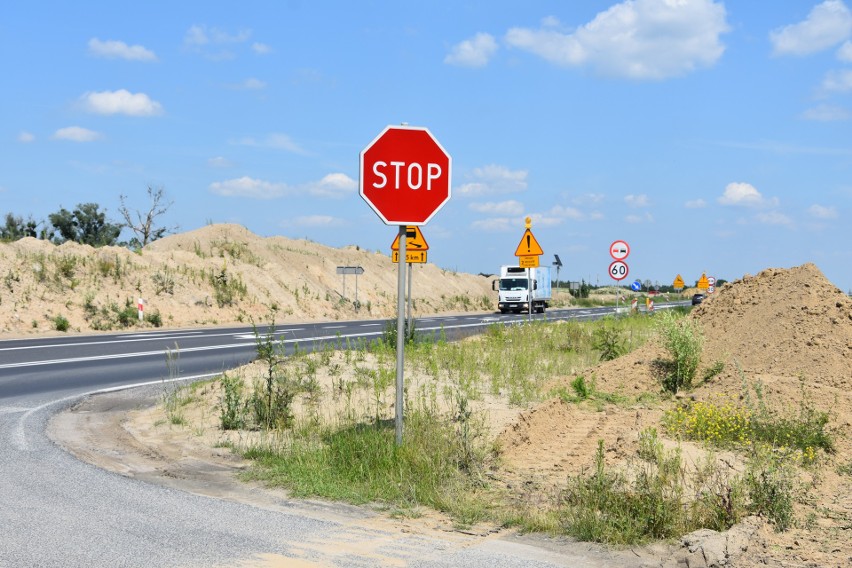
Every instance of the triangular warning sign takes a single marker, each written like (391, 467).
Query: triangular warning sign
(413, 240)
(703, 283)
(678, 282)
(528, 245)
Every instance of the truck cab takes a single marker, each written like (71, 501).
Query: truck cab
(522, 289)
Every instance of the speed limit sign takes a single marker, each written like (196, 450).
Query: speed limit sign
(618, 270)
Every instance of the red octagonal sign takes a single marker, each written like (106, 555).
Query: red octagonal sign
(405, 175)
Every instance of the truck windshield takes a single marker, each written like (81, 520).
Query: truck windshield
(510, 284)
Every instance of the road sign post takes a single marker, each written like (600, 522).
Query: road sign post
(356, 270)
(405, 179)
(528, 251)
(618, 270)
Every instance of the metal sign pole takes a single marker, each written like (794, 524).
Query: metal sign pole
(400, 334)
(356, 291)
(529, 296)
(410, 274)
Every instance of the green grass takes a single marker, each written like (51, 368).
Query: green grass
(362, 464)
(648, 503)
(731, 424)
(445, 461)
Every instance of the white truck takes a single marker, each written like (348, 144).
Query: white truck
(513, 289)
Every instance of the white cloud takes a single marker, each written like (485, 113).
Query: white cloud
(496, 225)
(211, 42)
(26, 137)
(646, 218)
(317, 221)
(76, 134)
(261, 48)
(275, 141)
(567, 212)
(112, 49)
(249, 187)
(198, 35)
(826, 113)
(220, 162)
(510, 207)
(838, 81)
(695, 204)
(540, 220)
(333, 185)
(589, 199)
(744, 194)
(637, 39)
(120, 102)
(827, 25)
(494, 179)
(773, 218)
(251, 84)
(822, 211)
(636, 201)
(475, 52)
(845, 52)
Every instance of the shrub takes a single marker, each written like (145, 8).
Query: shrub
(233, 407)
(581, 388)
(732, 424)
(683, 340)
(608, 340)
(770, 480)
(60, 323)
(389, 334)
(154, 318)
(649, 502)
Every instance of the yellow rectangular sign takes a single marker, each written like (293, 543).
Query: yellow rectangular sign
(413, 257)
(528, 261)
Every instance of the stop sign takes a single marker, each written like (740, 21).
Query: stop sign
(405, 175)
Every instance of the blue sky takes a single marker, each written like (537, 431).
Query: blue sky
(710, 136)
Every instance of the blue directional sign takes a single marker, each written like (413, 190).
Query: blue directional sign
(636, 286)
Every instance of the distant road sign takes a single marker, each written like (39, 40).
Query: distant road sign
(703, 282)
(411, 256)
(618, 270)
(636, 286)
(528, 246)
(413, 240)
(619, 250)
(350, 270)
(528, 261)
(678, 282)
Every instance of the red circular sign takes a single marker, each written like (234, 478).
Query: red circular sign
(619, 250)
(405, 175)
(618, 270)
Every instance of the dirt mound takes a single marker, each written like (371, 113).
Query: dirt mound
(778, 327)
(791, 323)
(216, 275)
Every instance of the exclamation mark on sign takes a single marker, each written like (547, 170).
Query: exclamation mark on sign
(529, 246)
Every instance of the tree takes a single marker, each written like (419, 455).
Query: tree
(144, 224)
(85, 225)
(15, 228)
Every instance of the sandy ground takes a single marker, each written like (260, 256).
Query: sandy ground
(789, 330)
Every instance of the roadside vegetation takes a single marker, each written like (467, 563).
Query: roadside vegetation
(321, 425)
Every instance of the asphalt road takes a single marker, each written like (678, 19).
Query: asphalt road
(58, 511)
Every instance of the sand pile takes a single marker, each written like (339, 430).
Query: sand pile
(216, 275)
(790, 323)
(778, 327)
